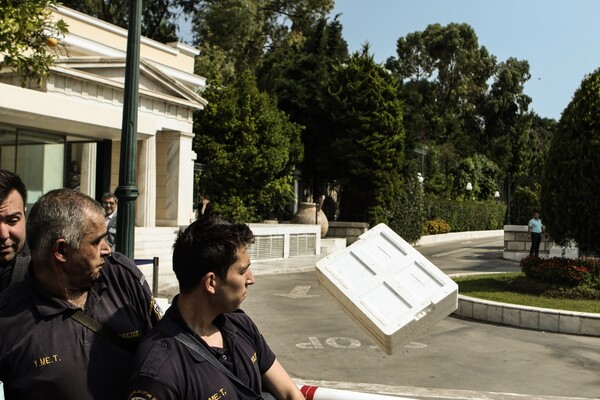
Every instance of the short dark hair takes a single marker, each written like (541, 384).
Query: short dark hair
(109, 195)
(208, 245)
(10, 181)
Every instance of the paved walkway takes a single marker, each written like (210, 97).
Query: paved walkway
(167, 282)
(472, 308)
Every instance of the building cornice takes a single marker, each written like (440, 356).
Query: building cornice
(89, 20)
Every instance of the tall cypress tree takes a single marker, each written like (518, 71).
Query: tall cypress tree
(366, 142)
(570, 189)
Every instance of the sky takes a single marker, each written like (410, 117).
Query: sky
(559, 38)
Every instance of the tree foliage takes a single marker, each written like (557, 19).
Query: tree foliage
(542, 130)
(507, 124)
(158, 16)
(26, 33)
(250, 149)
(408, 215)
(570, 189)
(366, 142)
(445, 72)
(299, 76)
(236, 35)
(459, 102)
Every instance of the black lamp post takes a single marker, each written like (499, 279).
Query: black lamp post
(127, 192)
(508, 199)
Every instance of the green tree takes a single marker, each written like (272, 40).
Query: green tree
(542, 130)
(236, 35)
(483, 175)
(158, 16)
(366, 142)
(299, 76)
(505, 138)
(570, 189)
(460, 102)
(524, 201)
(27, 34)
(445, 73)
(250, 148)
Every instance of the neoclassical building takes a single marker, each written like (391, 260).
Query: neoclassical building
(75, 117)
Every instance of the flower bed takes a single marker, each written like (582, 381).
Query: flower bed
(563, 271)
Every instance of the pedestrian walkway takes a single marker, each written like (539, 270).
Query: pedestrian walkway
(471, 308)
(286, 265)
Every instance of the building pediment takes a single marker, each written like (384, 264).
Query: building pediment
(111, 71)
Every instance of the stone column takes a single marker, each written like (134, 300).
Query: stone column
(145, 208)
(177, 185)
(88, 169)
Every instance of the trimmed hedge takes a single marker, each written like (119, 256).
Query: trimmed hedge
(463, 216)
(563, 271)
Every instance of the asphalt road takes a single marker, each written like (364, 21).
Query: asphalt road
(456, 358)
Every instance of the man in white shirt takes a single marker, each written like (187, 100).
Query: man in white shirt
(535, 230)
(109, 202)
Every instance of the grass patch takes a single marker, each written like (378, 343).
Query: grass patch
(516, 288)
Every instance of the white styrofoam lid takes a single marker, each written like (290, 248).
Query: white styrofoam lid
(386, 279)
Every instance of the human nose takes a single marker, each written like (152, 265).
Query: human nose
(4, 231)
(105, 248)
(250, 277)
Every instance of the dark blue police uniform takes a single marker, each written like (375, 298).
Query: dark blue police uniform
(15, 270)
(45, 354)
(166, 369)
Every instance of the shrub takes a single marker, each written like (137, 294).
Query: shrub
(563, 271)
(435, 227)
(408, 212)
(465, 216)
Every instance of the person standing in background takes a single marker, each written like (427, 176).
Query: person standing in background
(205, 207)
(74, 176)
(535, 229)
(110, 203)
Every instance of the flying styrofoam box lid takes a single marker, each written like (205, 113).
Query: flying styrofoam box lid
(390, 289)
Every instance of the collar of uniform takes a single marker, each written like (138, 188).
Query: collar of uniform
(49, 305)
(226, 327)
(46, 303)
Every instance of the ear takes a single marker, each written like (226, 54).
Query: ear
(209, 283)
(59, 250)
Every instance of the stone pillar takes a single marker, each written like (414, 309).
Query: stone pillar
(517, 245)
(145, 210)
(177, 184)
(88, 169)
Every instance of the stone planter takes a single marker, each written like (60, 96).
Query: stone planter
(306, 214)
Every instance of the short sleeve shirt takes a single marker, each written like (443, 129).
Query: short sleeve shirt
(46, 354)
(165, 369)
(535, 225)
